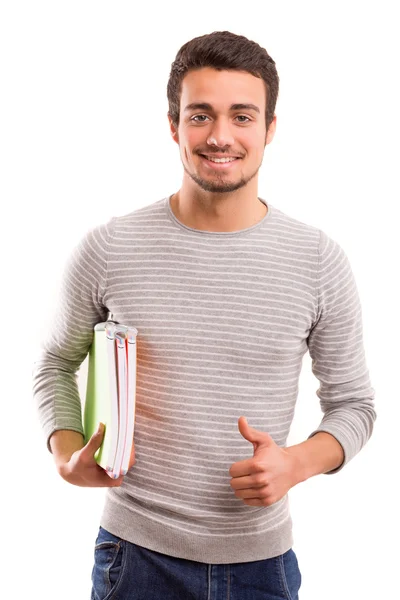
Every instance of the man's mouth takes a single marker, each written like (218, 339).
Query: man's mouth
(219, 159)
(219, 162)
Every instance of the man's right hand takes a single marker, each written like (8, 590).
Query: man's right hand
(82, 469)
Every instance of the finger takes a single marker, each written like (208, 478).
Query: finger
(242, 468)
(132, 459)
(252, 493)
(89, 450)
(242, 483)
(253, 502)
(104, 480)
(107, 477)
(115, 482)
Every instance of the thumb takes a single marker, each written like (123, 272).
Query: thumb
(258, 438)
(94, 442)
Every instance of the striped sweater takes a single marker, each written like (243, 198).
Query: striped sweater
(223, 319)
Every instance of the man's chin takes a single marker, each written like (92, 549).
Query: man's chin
(218, 187)
(221, 189)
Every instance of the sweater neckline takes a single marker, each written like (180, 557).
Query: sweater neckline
(239, 232)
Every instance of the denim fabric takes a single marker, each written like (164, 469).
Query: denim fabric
(125, 571)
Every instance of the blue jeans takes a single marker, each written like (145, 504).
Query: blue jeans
(125, 571)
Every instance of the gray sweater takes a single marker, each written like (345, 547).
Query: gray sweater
(223, 319)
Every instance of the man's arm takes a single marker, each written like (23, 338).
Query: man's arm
(79, 307)
(336, 348)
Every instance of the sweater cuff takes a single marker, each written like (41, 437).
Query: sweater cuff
(343, 441)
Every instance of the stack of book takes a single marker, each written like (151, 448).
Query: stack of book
(111, 394)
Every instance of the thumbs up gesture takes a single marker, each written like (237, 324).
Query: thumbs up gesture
(266, 477)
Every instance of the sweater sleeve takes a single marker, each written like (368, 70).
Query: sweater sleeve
(336, 348)
(78, 308)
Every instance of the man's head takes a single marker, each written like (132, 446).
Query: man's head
(211, 77)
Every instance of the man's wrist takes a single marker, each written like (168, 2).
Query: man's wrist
(63, 443)
(319, 454)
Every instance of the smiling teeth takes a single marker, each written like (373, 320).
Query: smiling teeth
(220, 160)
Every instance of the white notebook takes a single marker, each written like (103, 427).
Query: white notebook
(111, 394)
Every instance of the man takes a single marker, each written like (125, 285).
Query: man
(227, 293)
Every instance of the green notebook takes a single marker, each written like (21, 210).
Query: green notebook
(98, 404)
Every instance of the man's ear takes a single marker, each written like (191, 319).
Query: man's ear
(271, 131)
(173, 129)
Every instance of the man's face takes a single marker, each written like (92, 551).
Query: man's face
(222, 130)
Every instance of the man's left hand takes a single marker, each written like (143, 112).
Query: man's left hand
(266, 477)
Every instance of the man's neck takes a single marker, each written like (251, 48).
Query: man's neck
(217, 212)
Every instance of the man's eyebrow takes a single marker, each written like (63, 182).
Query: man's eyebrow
(206, 106)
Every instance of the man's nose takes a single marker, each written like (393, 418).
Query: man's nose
(221, 135)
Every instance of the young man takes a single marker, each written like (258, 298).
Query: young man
(227, 293)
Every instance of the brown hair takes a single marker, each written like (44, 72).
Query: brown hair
(222, 50)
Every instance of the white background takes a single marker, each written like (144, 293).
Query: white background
(84, 136)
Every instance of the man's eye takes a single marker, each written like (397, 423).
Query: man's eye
(197, 116)
(205, 116)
